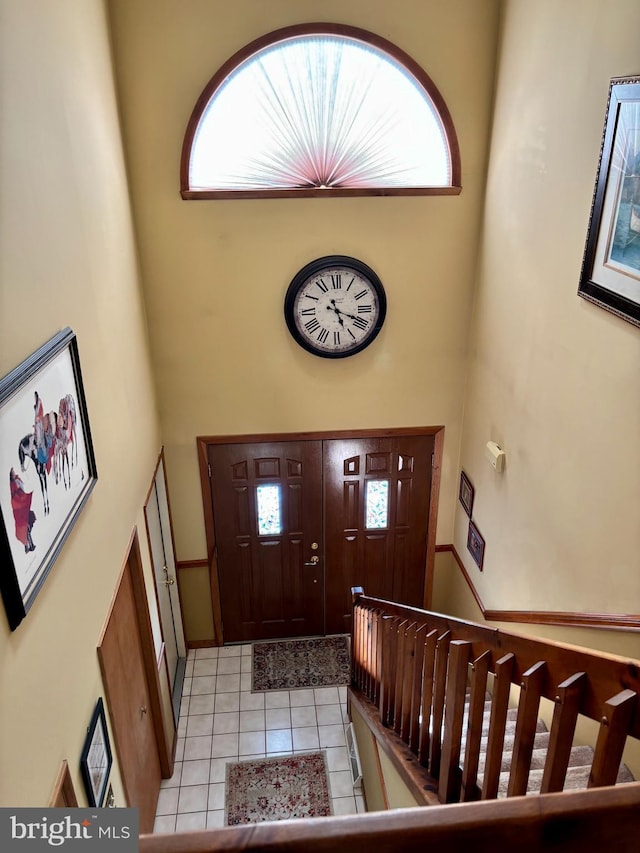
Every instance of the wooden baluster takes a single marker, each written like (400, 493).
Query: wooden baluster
(408, 679)
(426, 700)
(400, 661)
(376, 635)
(563, 726)
(495, 741)
(526, 723)
(416, 689)
(458, 673)
(442, 661)
(364, 650)
(612, 736)
(371, 674)
(479, 673)
(388, 686)
(364, 653)
(355, 663)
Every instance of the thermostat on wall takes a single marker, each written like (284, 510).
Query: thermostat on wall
(496, 455)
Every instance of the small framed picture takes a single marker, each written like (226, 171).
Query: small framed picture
(466, 493)
(475, 545)
(95, 761)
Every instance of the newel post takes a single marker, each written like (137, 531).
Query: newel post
(356, 636)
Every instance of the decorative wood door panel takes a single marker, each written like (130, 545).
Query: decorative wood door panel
(268, 517)
(376, 497)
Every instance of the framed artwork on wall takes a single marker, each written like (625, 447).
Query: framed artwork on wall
(475, 545)
(610, 275)
(47, 467)
(95, 761)
(466, 493)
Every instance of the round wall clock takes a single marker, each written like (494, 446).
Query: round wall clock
(335, 306)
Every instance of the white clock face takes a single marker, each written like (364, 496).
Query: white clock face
(335, 309)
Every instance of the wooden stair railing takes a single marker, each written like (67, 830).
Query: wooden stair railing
(579, 822)
(421, 681)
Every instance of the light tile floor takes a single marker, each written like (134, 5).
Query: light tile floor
(221, 720)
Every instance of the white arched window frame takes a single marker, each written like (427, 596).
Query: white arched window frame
(319, 110)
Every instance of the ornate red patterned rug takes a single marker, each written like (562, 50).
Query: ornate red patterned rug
(292, 786)
(291, 664)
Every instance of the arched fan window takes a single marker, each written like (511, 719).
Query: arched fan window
(319, 109)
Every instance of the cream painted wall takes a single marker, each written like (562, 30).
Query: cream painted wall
(552, 378)
(68, 258)
(215, 272)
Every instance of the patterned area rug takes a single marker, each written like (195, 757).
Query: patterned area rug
(291, 664)
(294, 786)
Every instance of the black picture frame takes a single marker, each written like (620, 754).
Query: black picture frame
(96, 758)
(466, 493)
(610, 274)
(475, 545)
(47, 467)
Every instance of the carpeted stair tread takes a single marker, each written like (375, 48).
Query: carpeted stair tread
(580, 756)
(510, 727)
(580, 760)
(540, 741)
(577, 778)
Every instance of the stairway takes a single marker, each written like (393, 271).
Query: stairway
(577, 777)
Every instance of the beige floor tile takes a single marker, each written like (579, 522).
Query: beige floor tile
(306, 738)
(278, 718)
(191, 821)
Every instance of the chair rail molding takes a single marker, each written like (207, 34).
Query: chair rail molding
(566, 619)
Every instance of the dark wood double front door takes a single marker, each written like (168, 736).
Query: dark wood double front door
(297, 523)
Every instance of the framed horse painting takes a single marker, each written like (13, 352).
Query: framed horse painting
(47, 467)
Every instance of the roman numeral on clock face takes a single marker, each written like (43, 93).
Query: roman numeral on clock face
(364, 309)
(336, 281)
(308, 312)
(323, 287)
(323, 334)
(312, 325)
(361, 294)
(360, 323)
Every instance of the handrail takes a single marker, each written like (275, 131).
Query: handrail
(428, 676)
(602, 819)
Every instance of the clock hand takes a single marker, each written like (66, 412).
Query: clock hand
(338, 312)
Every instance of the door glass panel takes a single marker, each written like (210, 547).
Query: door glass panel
(269, 510)
(376, 504)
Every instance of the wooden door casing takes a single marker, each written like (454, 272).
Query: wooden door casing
(133, 703)
(160, 538)
(267, 590)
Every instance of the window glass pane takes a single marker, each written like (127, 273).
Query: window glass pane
(377, 504)
(269, 511)
(319, 111)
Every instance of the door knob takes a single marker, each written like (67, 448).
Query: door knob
(313, 561)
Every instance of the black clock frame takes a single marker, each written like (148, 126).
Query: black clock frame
(315, 267)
